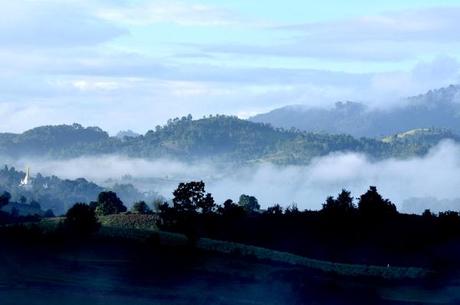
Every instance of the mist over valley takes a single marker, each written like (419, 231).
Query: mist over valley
(234, 157)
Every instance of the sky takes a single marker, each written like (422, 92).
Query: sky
(133, 64)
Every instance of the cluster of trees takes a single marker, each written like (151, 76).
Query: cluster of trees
(108, 203)
(82, 219)
(191, 199)
(60, 140)
(231, 139)
(53, 193)
(50, 191)
(13, 214)
(370, 231)
(371, 204)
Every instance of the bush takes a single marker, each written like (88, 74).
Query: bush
(141, 208)
(5, 199)
(81, 220)
(108, 203)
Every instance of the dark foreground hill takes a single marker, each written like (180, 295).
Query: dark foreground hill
(163, 268)
(437, 108)
(221, 138)
(122, 272)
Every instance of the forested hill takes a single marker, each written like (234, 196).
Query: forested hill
(219, 137)
(59, 194)
(438, 108)
(51, 140)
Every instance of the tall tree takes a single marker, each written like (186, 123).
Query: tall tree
(108, 203)
(249, 203)
(189, 196)
(141, 207)
(341, 206)
(207, 204)
(372, 203)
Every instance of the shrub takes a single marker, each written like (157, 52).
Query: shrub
(108, 203)
(141, 208)
(81, 220)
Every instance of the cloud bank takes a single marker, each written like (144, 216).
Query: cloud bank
(435, 176)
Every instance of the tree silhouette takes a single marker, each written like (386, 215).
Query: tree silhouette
(141, 208)
(108, 203)
(275, 210)
(4, 199)
(81, 220)
(428, 215)
(190, 203)
(249, 203)
(292, 210)
(231, 209)
(191, 196)
(207, 204)
(341, 206)
(449, 223)
(372, 204)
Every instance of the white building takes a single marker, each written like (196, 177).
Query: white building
(26, 181)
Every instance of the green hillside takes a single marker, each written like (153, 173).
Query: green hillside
(218, 138)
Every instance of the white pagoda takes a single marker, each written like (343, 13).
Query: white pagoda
(26, 181)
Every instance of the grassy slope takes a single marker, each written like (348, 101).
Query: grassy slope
(142, 227)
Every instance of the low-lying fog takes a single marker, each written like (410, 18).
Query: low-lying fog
(432, 181)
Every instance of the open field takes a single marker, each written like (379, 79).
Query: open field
(123, 264)
(142, 227)
(103, 271)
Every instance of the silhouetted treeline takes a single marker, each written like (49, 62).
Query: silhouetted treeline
(368, 231)
(14, 215)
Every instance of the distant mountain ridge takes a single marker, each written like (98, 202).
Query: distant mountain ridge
(434, 109)
(215, 138)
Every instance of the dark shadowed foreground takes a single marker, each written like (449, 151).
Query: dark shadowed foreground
(197, 252)
(128, 272)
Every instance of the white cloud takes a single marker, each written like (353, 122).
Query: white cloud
(49, 24)
(53, 69)
(427, 25)
(130, 91)
(86, 85)
(178, 12)
(436, 175)
(389, 37)
(426, 75)
(441, 68)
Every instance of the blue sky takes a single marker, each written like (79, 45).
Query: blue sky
(134, 64)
